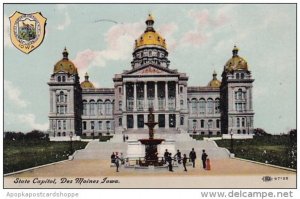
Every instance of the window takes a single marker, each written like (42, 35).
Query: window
(181, 103)
(202, 123)
(218, 123)
(242, 76)
(84, 125)
(108, 109)
(161, 120)
(59, 124)
(92, 125)
(61, 96)
(108, 125)
(120, 90)
(58, 134)
(240, 94)
(194, 106)
(84, 107)
(202, 133)
(172, 120)
(210, 106)
(239, 131)
(140, 121)
(210, 123)
(92, 107)
(181, 120)
(243, 122)
(181, 89)
(238, 76)
(202, 106)
(217, 105)
(64, 125)
(120, 121)
(194, 124)
(238, 122)
(59, 79)
(64, 134)
(63, 78)
(244, 131)
(100, 125)
(120, 105)
(99, 107)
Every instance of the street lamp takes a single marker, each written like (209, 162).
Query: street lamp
(231, 141)
(54, 130)
(71, 143)
(248, 124)
(93, 130)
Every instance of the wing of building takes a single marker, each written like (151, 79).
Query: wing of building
(221, 107)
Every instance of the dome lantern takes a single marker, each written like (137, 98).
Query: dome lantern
(214, 83)
(235, 51)
(149, 22)
(65, 54)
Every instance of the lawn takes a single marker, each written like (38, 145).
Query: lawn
(277, 149)
(23, 154)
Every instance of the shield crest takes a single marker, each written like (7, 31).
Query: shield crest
(27, 31)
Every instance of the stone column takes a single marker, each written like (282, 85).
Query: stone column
(72, 100)
(177, 121)
(145, 120)
(124, 121)
(167, 121)
(124, 97)
(134, 121)
(167, 96)
(176, 96)
(134, 96)
(250, 98)
(155, 97)
(145, 97)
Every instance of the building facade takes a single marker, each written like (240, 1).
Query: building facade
(221, 107)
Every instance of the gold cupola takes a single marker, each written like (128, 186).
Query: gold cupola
(150, 36)
(236, 62)
(65, 65)
(86, 84)
(215, 83)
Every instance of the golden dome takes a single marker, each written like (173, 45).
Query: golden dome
(86, 84)
(236, 62)
(215, 83)
(65, 65)
(150, 36)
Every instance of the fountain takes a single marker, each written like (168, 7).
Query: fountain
(151, 154)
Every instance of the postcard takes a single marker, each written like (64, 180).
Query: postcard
(190, 96)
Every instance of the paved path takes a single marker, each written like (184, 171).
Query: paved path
(230, 173)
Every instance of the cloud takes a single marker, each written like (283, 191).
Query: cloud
(193, 38)
(14, 94)
(119, 45)
(29, 119)
(65, 23)
(167, 31)
(6, 32)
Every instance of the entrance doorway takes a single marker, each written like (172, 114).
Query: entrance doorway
(129, 121)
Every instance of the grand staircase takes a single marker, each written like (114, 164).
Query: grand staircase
(183, 142)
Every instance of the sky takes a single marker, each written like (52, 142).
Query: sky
(200, 38)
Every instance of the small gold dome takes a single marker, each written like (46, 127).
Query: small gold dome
(236, 62)
(215, 83)
(150, 36)
(65, 65)
(86, 84)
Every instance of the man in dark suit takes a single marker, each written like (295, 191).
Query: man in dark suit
(193, 157)
(169, 159)
(204, 156)
(184, 160)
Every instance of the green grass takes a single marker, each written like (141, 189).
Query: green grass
(101, 138)
(200, 137)
(277, 150)
(25, 154)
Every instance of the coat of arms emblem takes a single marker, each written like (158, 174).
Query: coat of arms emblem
(27, 31)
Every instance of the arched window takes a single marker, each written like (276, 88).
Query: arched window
(64, 125)
(108, 107)
(64, 134)
(59, 79)
(108, 125)
(61, 96)
(210, 124)
(240, 94)
(99, 107)
(84, 125)
(194, 106)
(244, 131)
(243, 122)
(58, 134)
(181, 120)
(120, 121)
(100, 125)
(59, 124)
(242, 76)
(238, 122)
(210, 106)
(239, 131)
(202, 133)
(84, 107)
(238, 76)
(202, 106)
(92, 107)
(92, 125)
(202, 123)
(63, 78)
(217, 105)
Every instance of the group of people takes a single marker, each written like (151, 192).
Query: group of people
(192, 158)
(117, 160)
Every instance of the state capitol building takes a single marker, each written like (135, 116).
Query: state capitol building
(220, 107)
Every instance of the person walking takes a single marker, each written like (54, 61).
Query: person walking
(193, 157)
(117, 162)
(184, 160)
(178, 155)
(169, 159)
(112, 158)
(203, 157)
(166, 155)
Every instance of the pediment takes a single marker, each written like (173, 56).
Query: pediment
(151, 70)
